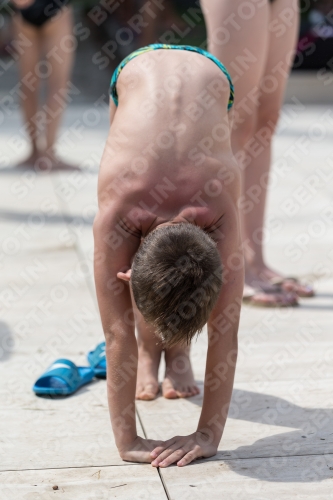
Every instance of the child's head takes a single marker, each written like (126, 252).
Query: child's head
(176, 279)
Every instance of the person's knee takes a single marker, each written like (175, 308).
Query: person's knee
(244, 127)
(268, 116)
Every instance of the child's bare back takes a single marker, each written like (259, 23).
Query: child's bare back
(167, 223)
(169, 141)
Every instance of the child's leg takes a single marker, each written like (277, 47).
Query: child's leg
(149, 354)
(27, 66)
(179, 380)
(150, 350)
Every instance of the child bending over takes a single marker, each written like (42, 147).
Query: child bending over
(168, 254)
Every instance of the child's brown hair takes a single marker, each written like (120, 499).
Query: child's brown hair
(176, 279)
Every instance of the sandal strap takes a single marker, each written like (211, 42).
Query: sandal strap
(64, 369)
(97, 356)
(281, 281)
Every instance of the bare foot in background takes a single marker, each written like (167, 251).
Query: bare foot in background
(47, 162)
(29, 162)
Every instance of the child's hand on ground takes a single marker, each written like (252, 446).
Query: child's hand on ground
(139, 450)
(183, 450)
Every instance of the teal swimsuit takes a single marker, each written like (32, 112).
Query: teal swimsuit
(156, 46)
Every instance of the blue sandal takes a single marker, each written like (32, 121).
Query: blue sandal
(97, 360)
(63, 378)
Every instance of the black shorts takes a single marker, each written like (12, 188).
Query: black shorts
(42, 11)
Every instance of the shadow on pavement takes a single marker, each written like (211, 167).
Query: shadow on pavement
(311, 441)
(11, 216)
(6, 341)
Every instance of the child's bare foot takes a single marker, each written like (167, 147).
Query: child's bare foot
(147, 386)
(179, 380)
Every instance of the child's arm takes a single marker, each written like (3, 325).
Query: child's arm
(220, 363)
(113, 253)
(221, 358)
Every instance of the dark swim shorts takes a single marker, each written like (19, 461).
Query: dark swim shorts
(42, 11)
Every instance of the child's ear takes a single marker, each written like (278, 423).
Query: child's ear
(124, 276)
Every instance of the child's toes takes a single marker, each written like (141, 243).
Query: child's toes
(192, 391)
(195, 390)
(168, 390)
(146, 396)
(147, 393)
(184, 392)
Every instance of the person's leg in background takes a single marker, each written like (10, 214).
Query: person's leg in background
(31, 82)
(239, 35)
(279, 59)
(158, 21)
(150, 23)
(59, 47)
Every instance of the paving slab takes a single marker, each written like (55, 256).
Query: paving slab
(279, 419)
(301, 478)
(278, 437)
(141, 482)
